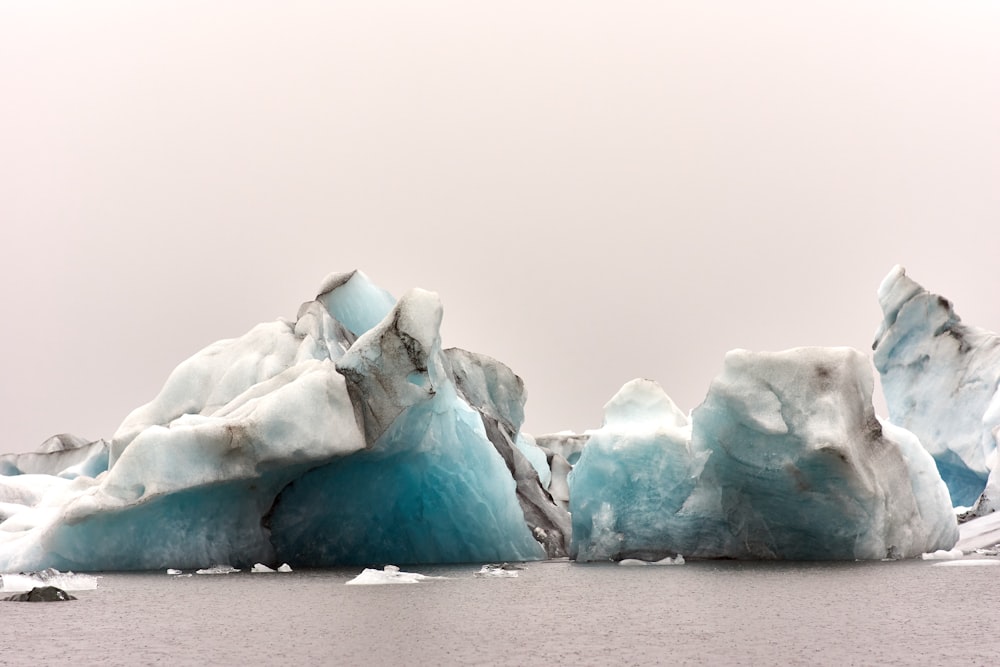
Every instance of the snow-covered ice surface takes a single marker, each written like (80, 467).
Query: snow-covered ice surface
(940, 378)
(309, 439)
(784, 459)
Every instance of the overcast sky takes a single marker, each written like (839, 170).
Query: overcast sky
(597, 190)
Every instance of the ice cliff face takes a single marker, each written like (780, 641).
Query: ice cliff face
(940, 378)
(346, 436)
(784, 459)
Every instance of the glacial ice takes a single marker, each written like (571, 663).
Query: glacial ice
(784, 459)
(253, 449)
(940, 379)
(390, 574)
(351, 436)
(67, 581)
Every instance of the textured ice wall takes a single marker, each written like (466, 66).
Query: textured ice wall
(940, 379)
(785, 459)
(348, 425)
(632, 479)
(432, 488)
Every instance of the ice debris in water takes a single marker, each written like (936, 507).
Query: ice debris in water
(390, 574)
(943, 554)
(968, 562)
(67, 581)
(497, 570)
(638, 562)
(261, 568)
(940, 378)
(346, 436)
(784, 459)
(171, 570)
(217, 569)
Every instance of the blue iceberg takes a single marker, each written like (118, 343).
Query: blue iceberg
(345, 436)
(785, 459)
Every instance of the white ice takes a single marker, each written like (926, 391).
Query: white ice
(67, 581)
(390, 574)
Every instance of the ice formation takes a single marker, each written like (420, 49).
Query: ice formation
(940, 378)
(390, 574)
(784, 459)
(67, 581)
(345, 436)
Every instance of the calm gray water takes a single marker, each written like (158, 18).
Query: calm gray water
(559, 613)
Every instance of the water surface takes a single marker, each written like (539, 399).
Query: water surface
(556, 612)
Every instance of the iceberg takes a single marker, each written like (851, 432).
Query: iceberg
(346, 436)
(785, 459)
(940, 379)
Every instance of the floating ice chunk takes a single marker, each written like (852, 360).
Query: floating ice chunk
(260, 568)
(173, 571)
(390, 574)
(676, 560)
(217, 569)
(968, 562)
(494, 570)
(284, 567)
(637, 562)
(942, 554)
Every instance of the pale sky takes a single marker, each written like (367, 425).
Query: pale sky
(598, 190)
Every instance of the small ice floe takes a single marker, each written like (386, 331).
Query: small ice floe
(499, 571)
(943, 554)
(67, 581)
(968, 562)
(635, 562)
(217, 569)
(172, 571)
(389, 574)
(261, 568)
(993, 551)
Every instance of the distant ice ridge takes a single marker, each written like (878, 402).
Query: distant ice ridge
(785, 459)
(346, 436)
(940, 378)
